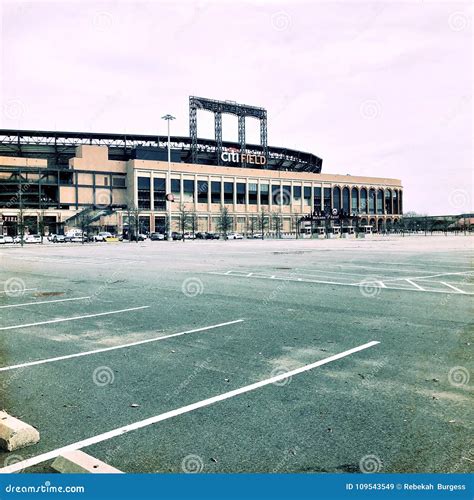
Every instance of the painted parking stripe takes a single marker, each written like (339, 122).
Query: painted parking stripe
(114, 348)
(174, 413)
(74, 318)
(414, 284)
(44, 302)
(453, 287)
(327, 282)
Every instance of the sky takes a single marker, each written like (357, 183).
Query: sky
(374, 88)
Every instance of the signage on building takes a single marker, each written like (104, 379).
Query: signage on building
(233, 156)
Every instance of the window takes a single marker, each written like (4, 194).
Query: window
(380, 202)
(216, 192)
(388, 201)
(317, 199)
(336, 198)
(159, 194)
(363, 201)
(276, 195)
(188, 191)
(286, 195)
(203, 192)
(176, 189)
(297, 194)
(118, 181)
(143, 184)
(372, 201)
(307, 196)
(228, 192)
(240, 193)
(400, 202)
(106, 181)
(355, 199)
(264, 194)
(345, 200)
(395, 202)
(253, 193)
(327, 199)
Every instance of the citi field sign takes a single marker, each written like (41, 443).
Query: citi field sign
(233, 156)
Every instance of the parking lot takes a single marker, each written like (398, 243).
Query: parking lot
(242, 356)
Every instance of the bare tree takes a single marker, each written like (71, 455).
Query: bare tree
(262, 222)
(184, 219)
(224, 221)
(277, 224)
(251, 225)
(193, 222)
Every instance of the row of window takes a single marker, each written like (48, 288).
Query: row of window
(363, 200)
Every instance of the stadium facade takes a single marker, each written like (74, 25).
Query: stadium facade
(54, 177)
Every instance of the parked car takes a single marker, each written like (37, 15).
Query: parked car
(257, 236)
(139, 237)
(176, 236)
(17, 239)
(58, 238)
(5, 239)
(189, 236)
(102, 236)
(212, 236)
(157, 236)
(32, 238)
(235, 236)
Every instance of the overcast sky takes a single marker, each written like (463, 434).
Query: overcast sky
(381, 88)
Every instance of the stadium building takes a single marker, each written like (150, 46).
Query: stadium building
(53, 179)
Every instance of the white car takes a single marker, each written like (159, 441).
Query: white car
(102, 236)
(189, 236)
(32, 238)
(235, 236)
(5, 239)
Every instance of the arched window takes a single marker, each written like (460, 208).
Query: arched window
(363, 201)
(380, 202)
(388, 201)
(355, 199)
(345, 200)
(372, 201)
(336, 198)
(395, 201)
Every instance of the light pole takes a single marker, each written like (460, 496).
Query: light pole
(168, 118)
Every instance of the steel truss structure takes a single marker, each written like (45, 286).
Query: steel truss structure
(232, 108)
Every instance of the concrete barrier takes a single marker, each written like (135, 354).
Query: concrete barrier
(16, 434)
(78, 462)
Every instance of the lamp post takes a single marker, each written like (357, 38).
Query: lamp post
(168, 118)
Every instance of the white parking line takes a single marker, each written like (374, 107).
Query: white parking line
(414, 284)
(44, 302)
(369, 280)
(61, 320)
(18, 466)
(114, 348)
(453, 287)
